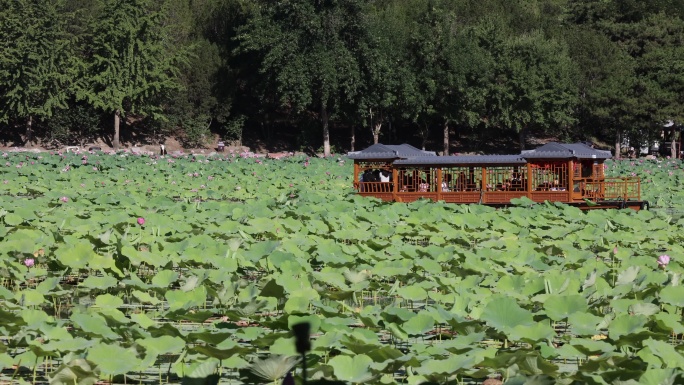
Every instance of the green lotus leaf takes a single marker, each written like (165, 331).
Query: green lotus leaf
(75, 256)
(627, 276)
(93, 324)
(412, 293)
(234, 362)
(297, 305)
(142, 320)
(667, 353)
(6, 361)
(448, 366)
(673, 295)
(184, 300)
(5, 293)
(13, 219)
(162, 345)
(352, 369)
(541, 331)
(657, 376)
(590, 347)
(642, 308)
(670, 322)
(108, 301)
(164, 278)
(273, 368)
(582, 323)
(76, 372)
(144, 297)
(113, 359)
(397, 332)
(419, 324)
(35, 318)
(560, 307)
(29, 297)
(313, 320)
(260, 250)
(626, 324)
(137, 257)
(503, 314)
(284, 346)
(95, 282)
(69, 345)
(199, 377)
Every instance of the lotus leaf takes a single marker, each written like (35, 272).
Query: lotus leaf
(113, 359)
(352, 369)
(273, 368)
(653, 376)
(76, 372)
(667, 353)
(185, 300)
(29, 297)
(626, 324)
(418, 324)
(503, 314)
(560, 307)
(93, 324)
(673, 295)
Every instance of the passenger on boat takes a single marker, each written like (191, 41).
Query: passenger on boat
(423, 186)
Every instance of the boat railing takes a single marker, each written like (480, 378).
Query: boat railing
(625, 188)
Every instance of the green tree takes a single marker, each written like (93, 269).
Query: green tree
(607, 81)
(309, 52)
(453, 71)
(385, 61)
(532, 85)
(131, 61)
(38, 64)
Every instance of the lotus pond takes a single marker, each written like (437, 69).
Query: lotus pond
(137, 269)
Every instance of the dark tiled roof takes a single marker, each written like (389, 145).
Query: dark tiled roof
(463, 160)
(385, 151)
(555, 150)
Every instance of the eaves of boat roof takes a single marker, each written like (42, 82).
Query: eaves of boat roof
(382, 151)
(463, 160)
(555, 150)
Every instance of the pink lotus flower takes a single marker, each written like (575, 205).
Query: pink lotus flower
(29, 262)
(64, 199)
(663, 260)
(141, 221)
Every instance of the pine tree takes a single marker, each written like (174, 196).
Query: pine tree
(131, 61)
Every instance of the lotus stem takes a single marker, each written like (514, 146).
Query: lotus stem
(35, 368)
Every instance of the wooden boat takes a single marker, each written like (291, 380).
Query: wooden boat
(557, 172)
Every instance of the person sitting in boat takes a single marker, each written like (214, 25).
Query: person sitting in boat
(423, 186)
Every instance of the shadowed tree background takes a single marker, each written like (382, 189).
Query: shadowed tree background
(448, 75)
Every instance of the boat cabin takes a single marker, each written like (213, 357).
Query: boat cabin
(558, 172)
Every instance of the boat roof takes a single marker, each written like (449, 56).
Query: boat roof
(405, 154)
(555, 150)
(463, 160)
(390, 151)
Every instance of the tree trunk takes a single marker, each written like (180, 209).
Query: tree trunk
(353, 137)
(29, 131)
(521, 138)
(326, 131)
(618, 144)
(376, 132)
(446, 138)
(673, 143)
(424, 136)
(117, 122)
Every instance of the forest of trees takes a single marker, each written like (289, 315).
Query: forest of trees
(332, 75)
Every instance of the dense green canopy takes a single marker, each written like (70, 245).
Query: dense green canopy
(357, 71)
